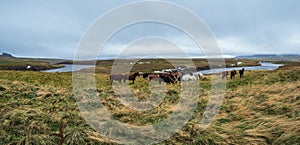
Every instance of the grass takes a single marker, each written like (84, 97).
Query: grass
(261, 108)
(105, 66)
(21, 64)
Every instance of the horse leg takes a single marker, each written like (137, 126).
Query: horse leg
(110, 79)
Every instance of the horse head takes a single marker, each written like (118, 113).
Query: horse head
(136, 74)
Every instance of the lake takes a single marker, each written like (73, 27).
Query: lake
(263, 66)
(69, 68)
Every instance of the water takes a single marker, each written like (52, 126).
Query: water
(264, 66)
(69, 68)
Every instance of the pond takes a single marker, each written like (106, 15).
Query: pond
(69, 68)
(263, 66)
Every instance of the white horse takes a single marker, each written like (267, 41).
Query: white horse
(192, 77)
(188, 77)
(199, 76)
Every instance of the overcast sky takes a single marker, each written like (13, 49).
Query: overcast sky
(53, 28)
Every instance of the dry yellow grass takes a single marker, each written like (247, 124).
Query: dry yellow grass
(261, 108)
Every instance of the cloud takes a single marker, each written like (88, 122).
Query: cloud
(54, 28)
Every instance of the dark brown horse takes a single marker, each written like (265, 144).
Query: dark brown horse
(175, 75)
(133, 76)
(120, 77)
(241, 72)
(150, 76)
(232, 74)
(167, 78)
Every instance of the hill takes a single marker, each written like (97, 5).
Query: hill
(9, 62)
(6, 56)
(272, 57)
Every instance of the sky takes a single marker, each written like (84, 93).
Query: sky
(53, 29)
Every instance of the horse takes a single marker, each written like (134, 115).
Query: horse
(167, 77)
(188, 77)
(117, 77)
(232, 74)
(133, 76)
(150, 76)
(241, 72)
(224, 74)
(199, 76)
(145, 75)
(120, 77)
(175, 74)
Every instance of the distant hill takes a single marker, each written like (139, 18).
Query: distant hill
(7, 56)
(271, 56)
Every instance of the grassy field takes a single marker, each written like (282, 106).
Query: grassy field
(261, 108)
(21, 64)
(105, 66)
(150, 65)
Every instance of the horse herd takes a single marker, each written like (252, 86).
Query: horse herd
(233, 73)
(171, 77)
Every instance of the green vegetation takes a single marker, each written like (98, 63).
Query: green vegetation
(21, 64)
(150, 65)
(261, 108)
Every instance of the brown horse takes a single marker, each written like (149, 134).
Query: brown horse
(120, 77)
(169, 78)
(241, 72)
(175, 75)
(150, 76)
(232, 74)
(133, 76)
